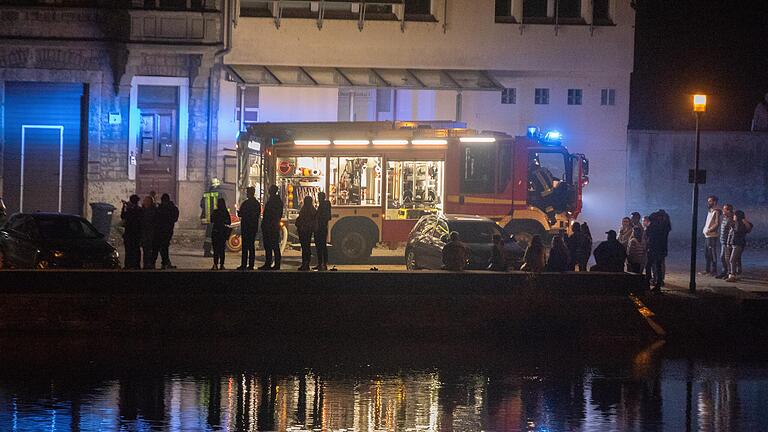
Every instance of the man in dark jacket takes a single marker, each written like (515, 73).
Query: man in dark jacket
(270, 230)
(131, 216)
(249, 214)
(167, 216)
(321, 234)
(657, 234)
(610, 255)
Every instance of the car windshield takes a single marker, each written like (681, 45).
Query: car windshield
(64, 228)
(474, 232)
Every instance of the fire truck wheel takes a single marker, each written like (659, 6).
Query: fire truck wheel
(235, 243)
(354, 246)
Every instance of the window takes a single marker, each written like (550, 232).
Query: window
(414, 188)
(601, 12)
(508, 96)
(249, 97)
(475, 232)
(504, 11)
(574, 96)
(355, 181)
(230, 169)
(478, 172)
(608, 97)
(418, 7)
(255, 8)
(535, 9)
(568, 8)
(541, 96)
(505, 165)
(298, 177)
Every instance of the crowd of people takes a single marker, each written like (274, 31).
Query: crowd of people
(725, 235)
(148, 231)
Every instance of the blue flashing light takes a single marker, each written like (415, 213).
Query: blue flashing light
(533, 131)
(553, 136)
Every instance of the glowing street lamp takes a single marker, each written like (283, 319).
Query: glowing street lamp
(699, 107)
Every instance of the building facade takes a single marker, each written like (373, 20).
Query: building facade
(105, 98)
(497, 65)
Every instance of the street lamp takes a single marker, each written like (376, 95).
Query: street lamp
(699, 107)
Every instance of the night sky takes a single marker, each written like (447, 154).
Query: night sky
(683, 46)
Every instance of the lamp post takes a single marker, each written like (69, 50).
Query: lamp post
(699, 107)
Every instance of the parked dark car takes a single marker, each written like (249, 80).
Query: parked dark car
(53, 241)
(424, 249)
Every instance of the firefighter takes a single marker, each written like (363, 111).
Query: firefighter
(547, 192)
(207, 206)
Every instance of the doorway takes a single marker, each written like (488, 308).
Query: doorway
(157, 141)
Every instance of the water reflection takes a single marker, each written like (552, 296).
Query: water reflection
(644, 391)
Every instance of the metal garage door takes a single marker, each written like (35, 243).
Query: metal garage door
(43, 151)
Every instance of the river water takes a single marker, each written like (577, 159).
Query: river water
(242, 385)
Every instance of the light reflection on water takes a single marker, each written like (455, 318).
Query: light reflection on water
(643, 392)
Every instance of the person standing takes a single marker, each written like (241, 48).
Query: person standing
(737, 240)
(131, 216)
(270, 229)
(559, 258)
(574, 243)
(207, 206)
(637, 251)
(625, 232)
(726, 226)
(321, 235)
(657, 250)
(249, 214)
(636, 219)
(220, 230)
(586, 247)
(305, 225)
(760, 118)
(167, 216)
(148, 230)
(711, 236)
(535, 258)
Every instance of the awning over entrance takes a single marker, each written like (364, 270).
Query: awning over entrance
(416, 79)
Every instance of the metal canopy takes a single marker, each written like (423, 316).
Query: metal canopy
(415, 79)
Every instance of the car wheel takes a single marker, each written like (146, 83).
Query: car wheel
(410, 260)
(354, 246)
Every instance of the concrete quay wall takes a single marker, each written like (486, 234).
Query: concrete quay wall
(348, 304)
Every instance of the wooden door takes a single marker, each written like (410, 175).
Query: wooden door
(158, 148)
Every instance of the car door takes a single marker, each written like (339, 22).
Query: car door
(433, 252)
(27, 243)
(16, 242)
(420, 240)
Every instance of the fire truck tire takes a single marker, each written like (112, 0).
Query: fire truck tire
(235, 242)
(524, 232)
(353, 239)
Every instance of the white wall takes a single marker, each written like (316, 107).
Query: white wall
(285, 104)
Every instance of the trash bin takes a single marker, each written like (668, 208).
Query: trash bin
(101, 217)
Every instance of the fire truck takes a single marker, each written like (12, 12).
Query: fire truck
(381, 177)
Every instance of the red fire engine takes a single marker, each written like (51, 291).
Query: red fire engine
(381, 177)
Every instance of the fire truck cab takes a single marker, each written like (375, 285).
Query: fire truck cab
(381, 177)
